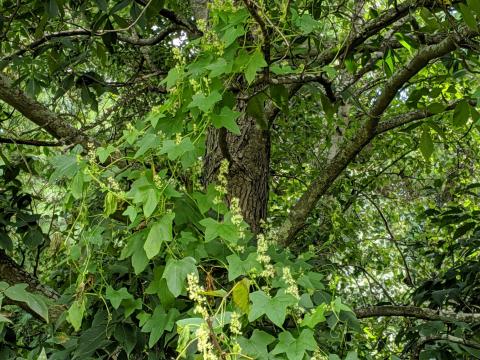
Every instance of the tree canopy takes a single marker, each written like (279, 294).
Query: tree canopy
(239, 179)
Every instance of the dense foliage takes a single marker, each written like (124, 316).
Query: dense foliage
(256, 179)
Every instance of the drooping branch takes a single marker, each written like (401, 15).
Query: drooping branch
(416, 312)
(450, 338)
(351, 147)
(41, 115)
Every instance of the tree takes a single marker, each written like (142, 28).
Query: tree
(218, 178)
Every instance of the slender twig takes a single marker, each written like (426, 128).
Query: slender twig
(392, 238)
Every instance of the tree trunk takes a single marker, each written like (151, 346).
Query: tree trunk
(249, 158)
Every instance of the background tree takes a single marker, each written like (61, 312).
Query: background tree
(239, 179)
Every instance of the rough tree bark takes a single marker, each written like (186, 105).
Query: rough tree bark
(248, 155)
(249, 158)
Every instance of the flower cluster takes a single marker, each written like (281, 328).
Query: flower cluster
(178, 56)
(235, 324)
(203, 342)
(263, 258)
(158, 181)
(178, 138)
(237, 217)
(113, 184)
(210, 40)
(221, 187)
(91, 155)
(292, 288)
(195, 293)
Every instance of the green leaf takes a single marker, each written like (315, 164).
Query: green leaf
(92, 338)
(205, 103)
(5, 242)
(19, 293)
(474, 5)
(339, 306)
(76, 187)
(351, 355)
(257, 345)
(131, 212)
(240, 295)
(468, 17)
(226, 119)
(295, 348)
(274, 308)
(219, 67)
(306, 23)
(406, 42)
(134, 248)
(174, 150)
(426, 144)
(238, 267)
(436, 108)
(111, 204)
(104, 153)
(158, 323)
(117, 296)
(256, 109)
(52, 8)
(176, 272)
(461, 114)
(43, 354)
(159, 233)
(315, 317)
(226, 231)
(75, 313)
(4, 319)
(126, 335)
(150, 202)
(139, 260)
(174, 74)
(255, 62)
(280, 96)
(148, 142)
(231, 34)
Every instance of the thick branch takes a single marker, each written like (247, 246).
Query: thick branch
(416, 312)
(399, 78)
(334, 167)
(40, 115)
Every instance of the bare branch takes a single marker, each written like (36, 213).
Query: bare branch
(40, 115)
(416, 312)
